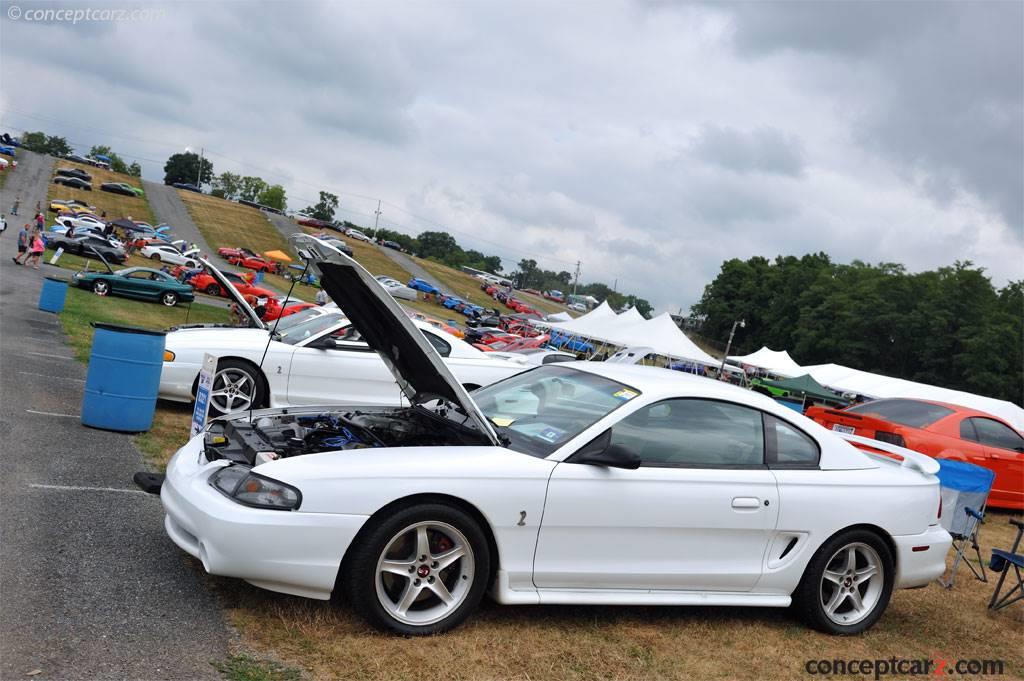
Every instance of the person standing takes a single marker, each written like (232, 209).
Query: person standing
(40, 221)
(36, 250)
(14, 206)
(23, 237)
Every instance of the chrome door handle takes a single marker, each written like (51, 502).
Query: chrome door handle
(745, 502)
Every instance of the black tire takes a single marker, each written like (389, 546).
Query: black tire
(212, 290)
(100, 287)
(807, 598)
(191, 264)
(155, 256)
(169, 298)
(259, 394)
(364, 589)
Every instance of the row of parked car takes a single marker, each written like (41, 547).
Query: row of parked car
(76, 178)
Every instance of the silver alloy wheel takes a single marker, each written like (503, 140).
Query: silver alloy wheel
(101, 288)
(852, 583)
(169, 299)
(425, 573)
(233, 390)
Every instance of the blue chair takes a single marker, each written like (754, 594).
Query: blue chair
(1001, 562)
(964, 488)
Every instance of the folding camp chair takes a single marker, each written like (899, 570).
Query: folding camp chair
(1001, 562)
(964, 488)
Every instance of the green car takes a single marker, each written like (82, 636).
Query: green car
(136, 282)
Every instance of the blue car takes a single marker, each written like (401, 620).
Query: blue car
(472, 311)
(452, 302)
(422, 285)
(566, 342)
(7, 151)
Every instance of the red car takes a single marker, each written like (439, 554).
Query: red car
(207, 284)
(235, 253)
(274, 308)
(517, 344)
(253, 262)
(942, 431)
(313, 222)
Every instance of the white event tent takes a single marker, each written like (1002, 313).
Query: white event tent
(776, 361)
(630, 329)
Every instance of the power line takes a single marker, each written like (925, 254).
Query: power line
(265, 172)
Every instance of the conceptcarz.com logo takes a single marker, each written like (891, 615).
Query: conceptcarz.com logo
(904, 667)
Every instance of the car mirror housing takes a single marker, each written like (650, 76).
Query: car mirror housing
(600, 452)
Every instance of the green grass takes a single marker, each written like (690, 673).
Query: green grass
(82, 308)
(248, 668)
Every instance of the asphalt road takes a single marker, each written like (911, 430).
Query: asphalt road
(90, 586)
(168, 207)
(411, 266)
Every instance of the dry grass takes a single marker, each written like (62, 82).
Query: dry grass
(115, 205)
(555, 642)
(226, 224)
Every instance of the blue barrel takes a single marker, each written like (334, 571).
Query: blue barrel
(51, 298)
(259, 277)
(123, 379)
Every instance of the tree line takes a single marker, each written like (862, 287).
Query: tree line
(188, 167)
(949, 327)
(54, 145)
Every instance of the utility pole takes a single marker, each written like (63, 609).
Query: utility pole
(376, 218)
(742, 323)
(199, 176)
(576, 280)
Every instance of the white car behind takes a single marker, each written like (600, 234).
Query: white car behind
(170, 254)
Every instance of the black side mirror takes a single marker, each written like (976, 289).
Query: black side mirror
(599, 452)
(326, 343)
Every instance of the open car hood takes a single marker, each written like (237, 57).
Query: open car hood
(386, 328)
(102, 259)
(233, 292)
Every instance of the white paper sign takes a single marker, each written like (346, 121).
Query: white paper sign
(56, 255)
(202, 408)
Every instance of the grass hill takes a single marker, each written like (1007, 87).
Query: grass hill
(115, 205)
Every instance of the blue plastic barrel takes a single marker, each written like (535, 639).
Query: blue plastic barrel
(51, 298)
(123, 379)
(259, 277)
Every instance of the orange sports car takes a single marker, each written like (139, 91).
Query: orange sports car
(942, 431)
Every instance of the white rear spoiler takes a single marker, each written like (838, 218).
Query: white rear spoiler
(911, 459)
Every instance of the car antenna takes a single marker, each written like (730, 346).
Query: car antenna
(270, 336)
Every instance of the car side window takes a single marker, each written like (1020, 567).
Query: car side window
(967, 431)
(788, 446)
(994, 434)
(693, 433)
(443, 348)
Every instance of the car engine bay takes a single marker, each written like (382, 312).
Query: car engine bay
(284, 435)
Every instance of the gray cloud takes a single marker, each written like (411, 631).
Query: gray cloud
(765, 150)
(652, 142)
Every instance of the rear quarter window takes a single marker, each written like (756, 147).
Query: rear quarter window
(913, 413)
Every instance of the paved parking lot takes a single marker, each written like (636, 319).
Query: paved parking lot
(91, 588)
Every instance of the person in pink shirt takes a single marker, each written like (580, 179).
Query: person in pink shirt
(36, 250)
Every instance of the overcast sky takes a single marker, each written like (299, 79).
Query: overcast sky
(649, 140)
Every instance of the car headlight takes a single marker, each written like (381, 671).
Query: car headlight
(242, 485)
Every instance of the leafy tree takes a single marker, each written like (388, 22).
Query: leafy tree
(325, 207)
(41, 143)
(227, 185)
(439, 245)
(117, 164)
(135, 170)
(251, 187)
(273, 197)
(185, 167)
(526, 269)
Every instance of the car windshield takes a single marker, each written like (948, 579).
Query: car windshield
(285, 323)
(540, 410)
(296, 333)
(905, 412)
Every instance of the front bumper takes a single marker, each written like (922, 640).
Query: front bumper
(918, 568)
(177, 379)
(288, 551)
